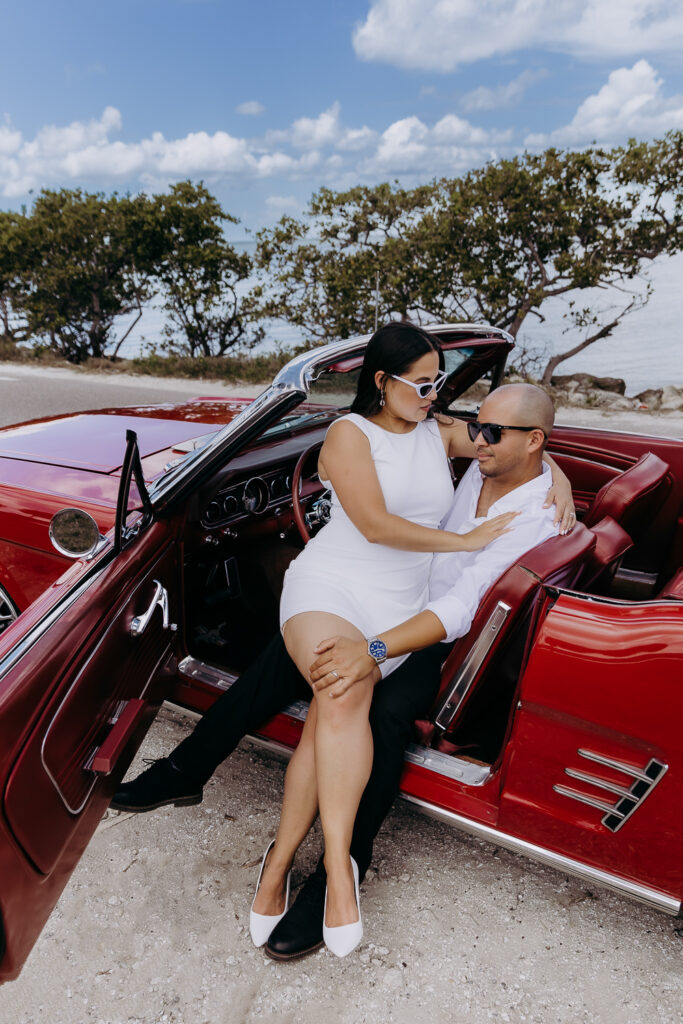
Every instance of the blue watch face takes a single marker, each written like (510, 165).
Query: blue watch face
(377, 649)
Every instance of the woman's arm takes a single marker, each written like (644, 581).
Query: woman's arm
(345, 461)
(560, 495)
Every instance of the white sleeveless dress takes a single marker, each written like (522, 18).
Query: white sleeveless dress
(373, 586)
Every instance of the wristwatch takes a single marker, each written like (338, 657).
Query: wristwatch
(377, 649)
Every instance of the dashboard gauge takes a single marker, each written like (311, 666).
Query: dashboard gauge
(255, 495)
(230, 505)
(278, 486)
(213, 512)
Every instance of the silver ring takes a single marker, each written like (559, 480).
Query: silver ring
(335, 674)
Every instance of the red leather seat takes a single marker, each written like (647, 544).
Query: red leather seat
(612, 543)
(673, 590)
(487, 659)
(633, 497)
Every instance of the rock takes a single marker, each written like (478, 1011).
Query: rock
(672, 398)
(587, 382)
(651, 397)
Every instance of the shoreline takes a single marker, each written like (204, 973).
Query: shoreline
(623, 416)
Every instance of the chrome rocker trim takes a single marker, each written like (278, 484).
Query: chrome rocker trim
(470, 774)
(595, 876)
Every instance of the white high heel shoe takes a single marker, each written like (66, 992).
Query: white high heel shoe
(261, 925)
(343, 939)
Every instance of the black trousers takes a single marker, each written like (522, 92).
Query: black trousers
(272, 681)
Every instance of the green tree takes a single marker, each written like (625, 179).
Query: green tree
(202, 276)
(80, 273)
(493, 245)
(344, 267)
(505, 238)
(13, 232)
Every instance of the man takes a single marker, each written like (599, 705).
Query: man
(508, 474)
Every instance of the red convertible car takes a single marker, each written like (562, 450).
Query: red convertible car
(141, 556)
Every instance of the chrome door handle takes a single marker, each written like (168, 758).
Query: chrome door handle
(160, 599)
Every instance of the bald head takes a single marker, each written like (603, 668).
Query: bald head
(524, 405)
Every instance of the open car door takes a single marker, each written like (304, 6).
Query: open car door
(82, 672)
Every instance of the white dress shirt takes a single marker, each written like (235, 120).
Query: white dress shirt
(459, 579)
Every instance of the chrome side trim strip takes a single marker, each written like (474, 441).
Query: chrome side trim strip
(583, 798)
(471, 665)
(593, 780)
(596, 876)
(610, 762)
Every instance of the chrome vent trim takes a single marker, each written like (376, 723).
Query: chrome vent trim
(471, 666)
(629, 799)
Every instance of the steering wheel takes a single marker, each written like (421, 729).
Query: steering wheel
(304, 489)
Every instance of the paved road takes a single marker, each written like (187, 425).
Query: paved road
(29, 392)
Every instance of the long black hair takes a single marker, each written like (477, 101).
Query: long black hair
(392, 349)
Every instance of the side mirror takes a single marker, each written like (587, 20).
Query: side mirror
(74, 533)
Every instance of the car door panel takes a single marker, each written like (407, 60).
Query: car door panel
(589, 727)
(86, 687)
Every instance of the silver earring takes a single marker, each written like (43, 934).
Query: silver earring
(381, 396)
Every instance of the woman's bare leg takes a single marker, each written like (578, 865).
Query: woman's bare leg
(343, 757)
(299, 810)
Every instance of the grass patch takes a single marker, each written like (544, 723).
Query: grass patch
(247, 369)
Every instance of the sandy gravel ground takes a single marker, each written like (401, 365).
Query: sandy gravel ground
(153, 928)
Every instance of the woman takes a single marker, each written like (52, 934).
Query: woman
(365, 571)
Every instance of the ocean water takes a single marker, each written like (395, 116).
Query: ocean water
(646, 350)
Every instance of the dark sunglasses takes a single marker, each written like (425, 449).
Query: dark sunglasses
(492, 432)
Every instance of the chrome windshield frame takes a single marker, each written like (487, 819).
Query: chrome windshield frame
(289, 388)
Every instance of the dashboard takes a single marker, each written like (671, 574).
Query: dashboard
(249, 497)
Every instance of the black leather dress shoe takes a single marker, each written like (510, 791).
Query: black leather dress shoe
(160, 784)
(300, 931)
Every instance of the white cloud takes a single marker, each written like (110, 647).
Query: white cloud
(631, 103)
(410, 146)
(494, 98)
(322, 148)
(312, 132)
(10, 140)
(251, 108)
(438, 35)
(355, 139)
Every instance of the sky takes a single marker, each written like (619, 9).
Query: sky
(267, 101)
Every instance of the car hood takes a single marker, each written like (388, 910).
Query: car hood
(96, 441)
